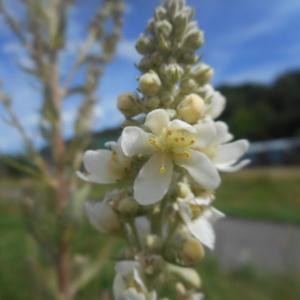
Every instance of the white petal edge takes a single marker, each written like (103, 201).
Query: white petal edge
(234, 168)
(231, 152)
(150, 185)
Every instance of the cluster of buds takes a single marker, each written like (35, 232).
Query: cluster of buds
(167, 166)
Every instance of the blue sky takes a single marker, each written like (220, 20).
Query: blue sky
(246, 40)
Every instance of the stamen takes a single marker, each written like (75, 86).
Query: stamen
(184, 154)
(163, 169)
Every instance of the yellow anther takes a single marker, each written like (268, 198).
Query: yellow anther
(152, 141)
(184, 154)
(162, 170)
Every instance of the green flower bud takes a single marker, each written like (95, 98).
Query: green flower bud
(202, 73)
(172, 72)
(188, 86)
(144, 44)
(152, 102)
(189, 58)
(128, 104)
(150, 83)
(194, 40)
(128, 207)
(164, 28)
(191, 108)
(192, 251)
(160, 13)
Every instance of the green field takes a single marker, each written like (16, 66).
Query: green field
(218, 284)
(266, 194)
(272, 194)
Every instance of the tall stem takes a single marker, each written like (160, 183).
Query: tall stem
(61, 188)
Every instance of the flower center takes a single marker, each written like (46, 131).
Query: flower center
(173, 140)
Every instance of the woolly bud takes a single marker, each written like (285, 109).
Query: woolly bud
(171, 72)
(160, 13)
(188, 86)
(202, 73)
(194, 40)
(151, 102)
(191, 108)
(150, 83)
(164, 28)
(144, 44)
(127, 104)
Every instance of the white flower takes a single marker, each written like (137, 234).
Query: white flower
(168, 143)
(224, 155)
(105, 166)
(128, 284)
(217, 102)
(102, 216)
(199, 218)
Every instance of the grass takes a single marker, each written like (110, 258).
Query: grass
(265, 194)
(218, 284)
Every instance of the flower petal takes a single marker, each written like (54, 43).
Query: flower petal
(233, 168)
(231, 152)
(134, 141)
(201, 169)
(202, 230)
(99, 166)
(217, 105)
(157, 120)
(223, 135)
(212, 215)
(179, 124)
(151, 184)
(205, 133)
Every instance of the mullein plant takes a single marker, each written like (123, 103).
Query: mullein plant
(165, 166)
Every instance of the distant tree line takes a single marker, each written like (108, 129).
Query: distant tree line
(262, 112)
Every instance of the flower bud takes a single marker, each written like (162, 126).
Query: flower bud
(164, 28)
(203, 73)
(192, 251)
(160, 13)
(194, 40)
(143, 44)
(188, 86)
(128, 104)
(128, 206)
(191, 108)
(102, 217)
(187, 275)
(150, 83)
(151, 102)
(171, 72)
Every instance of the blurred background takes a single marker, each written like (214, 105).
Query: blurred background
(254, 48)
